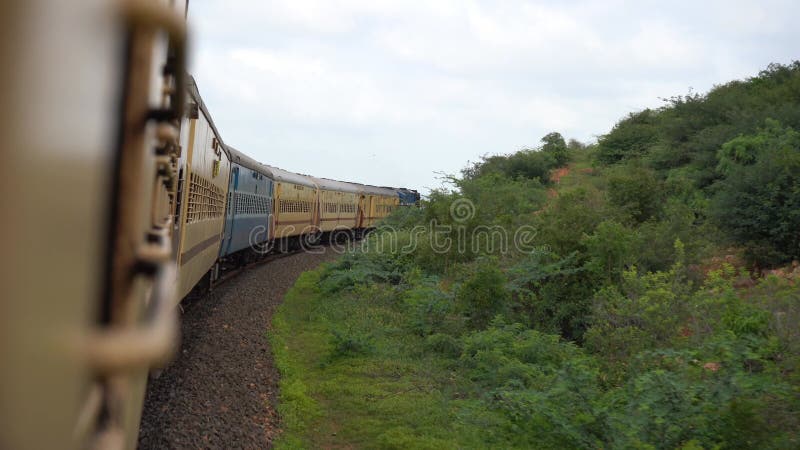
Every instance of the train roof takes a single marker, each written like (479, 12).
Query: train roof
(246, 161)
(194, 92)
(377, 190)
(284, 176)
(338, 186)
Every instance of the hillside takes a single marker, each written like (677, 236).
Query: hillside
(636, 293)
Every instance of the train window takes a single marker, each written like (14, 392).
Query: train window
(294, 206)
(206, 200)
(252, 204)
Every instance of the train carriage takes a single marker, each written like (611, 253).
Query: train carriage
(204, 171)
(338, 205)
(296, 204)
(249, 207)
(376, 204)
(92, 93)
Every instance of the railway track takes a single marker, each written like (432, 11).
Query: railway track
(198, 294)
(221, 389)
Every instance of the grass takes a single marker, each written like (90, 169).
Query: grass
(352, 376)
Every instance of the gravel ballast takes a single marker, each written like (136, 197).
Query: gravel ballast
(221, 390)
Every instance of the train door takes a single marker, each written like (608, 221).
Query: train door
(360, 212)
(230, 211)
(270, 208)
(316, 211)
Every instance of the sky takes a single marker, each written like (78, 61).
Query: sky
(398, 92)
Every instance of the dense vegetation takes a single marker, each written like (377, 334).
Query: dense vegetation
(610, 296)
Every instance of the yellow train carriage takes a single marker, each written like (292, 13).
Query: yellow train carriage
(338, 205)
(295, 203)
(204, 170)
(376, 203)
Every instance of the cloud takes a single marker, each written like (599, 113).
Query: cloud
(388, 92)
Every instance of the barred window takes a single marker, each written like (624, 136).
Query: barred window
(251, 204)
(294, 206)
(206, 200)
(385, 209)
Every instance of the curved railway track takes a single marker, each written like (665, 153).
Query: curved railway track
(221, 390)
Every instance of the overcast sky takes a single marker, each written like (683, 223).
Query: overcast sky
(390, 92)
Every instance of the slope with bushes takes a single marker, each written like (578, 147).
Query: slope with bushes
(628, 310)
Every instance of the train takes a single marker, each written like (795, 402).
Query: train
(231, 209)
(120, 198)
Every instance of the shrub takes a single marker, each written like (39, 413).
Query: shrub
(546, 387)
(553, 294)
(350, 342)
(631, 137)
(554, 144)
(646, 311)
(709, 395)
(443, 344)
(531, 164)
(636, 192)
(427, 307)
(563, 223)
(758, 201)
(611, 250)
(483, 295)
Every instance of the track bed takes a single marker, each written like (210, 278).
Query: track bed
(221, 390)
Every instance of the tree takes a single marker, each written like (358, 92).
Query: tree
(483, 295)
(758, 201)
(636, 192)
(554, 144)
(631, 137)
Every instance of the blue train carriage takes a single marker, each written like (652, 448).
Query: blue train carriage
(248, 214)
(204, 169)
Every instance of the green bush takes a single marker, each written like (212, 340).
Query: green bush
(758, 201)
(563, 223)
(553, 294)
(427, 307)
(636, 192)
(630, 138)
(554, 144)
(444, 344)
(710, 395)
(483, 295)
(611, 249)
(546, 388)
(350, 342)
(530, 164)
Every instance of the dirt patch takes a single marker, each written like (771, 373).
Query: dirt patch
(222, 389)
(557, 174)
